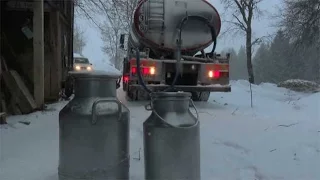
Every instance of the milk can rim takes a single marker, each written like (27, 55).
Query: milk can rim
(94, 74)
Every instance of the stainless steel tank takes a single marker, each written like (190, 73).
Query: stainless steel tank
(156, 21)
(171, 138)
(94, 130)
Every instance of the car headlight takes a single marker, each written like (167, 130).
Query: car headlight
(78, 68)
(89, 68)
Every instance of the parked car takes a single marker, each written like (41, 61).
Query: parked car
(81, 63)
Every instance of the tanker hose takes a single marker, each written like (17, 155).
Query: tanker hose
(179, 42)
(205, 20)
(141, 82)
(214, 38)
(118, 82)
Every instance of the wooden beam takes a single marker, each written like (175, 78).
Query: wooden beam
(18, 5)
(56, 65)
(62, 15)
(3, 118)
(71, 20)
(38, 52)
(20, 94)
(3, 107)
(1, 88)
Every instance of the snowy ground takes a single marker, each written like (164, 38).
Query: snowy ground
(279, 139)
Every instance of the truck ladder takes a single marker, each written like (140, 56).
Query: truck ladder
(156, 17)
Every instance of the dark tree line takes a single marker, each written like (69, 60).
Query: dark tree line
(277, 61)
(295, 50)
(300, 20)
(238, 63)
(294, 53)
(281, 60)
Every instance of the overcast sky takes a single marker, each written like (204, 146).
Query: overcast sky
(261, 27)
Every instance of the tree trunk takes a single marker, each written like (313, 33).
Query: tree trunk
(249, 55)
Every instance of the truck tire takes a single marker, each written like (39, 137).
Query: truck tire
(200, 96)
(68, 88)
(130, 95)
(137, 95)
(195, 96)
(204, 96)
(124, 86)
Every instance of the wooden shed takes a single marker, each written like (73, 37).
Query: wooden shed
(36, 52)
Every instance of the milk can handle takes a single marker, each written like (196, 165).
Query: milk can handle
(149, 107)
(94, 109)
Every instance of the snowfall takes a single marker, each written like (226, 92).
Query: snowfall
(276, 139)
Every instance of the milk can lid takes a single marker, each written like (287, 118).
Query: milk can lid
(95, 74)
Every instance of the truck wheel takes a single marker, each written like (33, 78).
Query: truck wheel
(195, 96)
(124, 86)
(200, 96)
(137, 95)
(143, 95)
(68, 88)
(68, 91)
(131, 95)
(204, 96)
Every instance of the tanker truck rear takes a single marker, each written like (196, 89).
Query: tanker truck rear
(158, 27)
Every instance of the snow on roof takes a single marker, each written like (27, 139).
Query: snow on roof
(77, 55)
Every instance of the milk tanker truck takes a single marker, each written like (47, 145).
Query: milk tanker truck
(170, 36)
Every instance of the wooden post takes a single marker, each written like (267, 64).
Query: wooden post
(56, 66)
(59, 50)
(38, 52)
(1, 89)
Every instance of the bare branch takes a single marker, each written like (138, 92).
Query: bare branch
(78, 39)
(245, 9)
(239, 23)
(112, 17)
(261, 39)
(300, 21)
(242, 9)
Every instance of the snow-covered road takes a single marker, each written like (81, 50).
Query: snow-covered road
(279, 138)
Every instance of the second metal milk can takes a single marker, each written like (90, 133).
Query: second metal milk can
(171, 138)
(94, 131)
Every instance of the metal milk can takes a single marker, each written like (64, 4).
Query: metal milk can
(94, 130)
(171, 138)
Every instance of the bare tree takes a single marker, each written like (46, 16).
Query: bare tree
(243, 13)
(301, 21)
(112, 18)
(79, 41)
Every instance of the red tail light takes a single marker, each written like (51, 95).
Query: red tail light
(125, 79)
(144, 70)
(214, 74)
(134, 70)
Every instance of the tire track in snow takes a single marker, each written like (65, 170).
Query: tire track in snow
(245, 170)
(234, 146)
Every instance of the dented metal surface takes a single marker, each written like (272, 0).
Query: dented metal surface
(156, 22)
(94, 131)
(171, 138)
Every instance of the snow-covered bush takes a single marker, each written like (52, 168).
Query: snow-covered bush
(300, 85)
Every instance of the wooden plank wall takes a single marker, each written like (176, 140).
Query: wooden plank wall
(57, 25)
